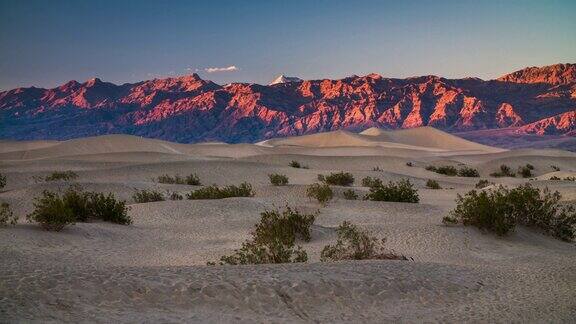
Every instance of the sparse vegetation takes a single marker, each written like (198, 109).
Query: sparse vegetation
(273, 239)
(433, 184)
(278, 179)
(525, 171)
(371, 182)
(7, 217)
(356, 244)
(192, 179)
(468, 172)
(451, 171)
(61, 176)
(409, 164)
(401, 191)
(554, 178)
(297, 165)
(176, 196)
(145, 195)
(2, 181)
(51, 212)
(321, 192)
(555, 168)
(337, 179)
(483, 184)
(501, 209)
(215, 192)
(376, 168)
(350, 194)
(570, 178)
(505, 171)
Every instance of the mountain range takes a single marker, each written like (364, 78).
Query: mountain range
(535, 101)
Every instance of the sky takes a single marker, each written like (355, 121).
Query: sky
(46, 43)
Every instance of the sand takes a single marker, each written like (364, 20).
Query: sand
(155, 270)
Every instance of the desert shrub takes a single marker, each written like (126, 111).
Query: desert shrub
(401, 191)
(51, 212)
(297, 165)
(505, 171)
(165, 178)
(108, 208)
(525, 171)
(431, 168)
(215, 192)
(433, 184)
(2, 181)
(350, 194)
(7, 217)
(555, 178)
(371, 182)
(356, 244)
(555, 168)
(278, 179)
(468, 172)
(501, 209)
(176, 196)
(273, 239)
(144, 196)
(337, 178)
(61, 175)
(447, 170)
(529, 166)
(193, 180)
(409, 164)
(79, 202)
(376, 168)
(570, 178)
(483, 184)
(321, 192)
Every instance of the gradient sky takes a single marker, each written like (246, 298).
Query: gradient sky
(46, 43)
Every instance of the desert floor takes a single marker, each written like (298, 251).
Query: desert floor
(155, 269)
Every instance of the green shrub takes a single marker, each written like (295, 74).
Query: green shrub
(447, 170)
(273, 239)
(505, 171)
(321, 192)
(409, 164)
(337, 179)
(555, 168)
(51, 212)
(176, 196)
(529, 166)
(79, 202)
(144, 196)
(555, 178)
(165, 178)
(350, 194)
(525, 171)
(214, 192)
(499, 211)
(192, 179)
(483, 184)
(297, 165)
(401, 191)
(2, 181)
(356, 244)
(433, 184)
(468, 172)
(371, 182)
(64, 176)
(278, 179)
(431, 168)
(376, 168)
(570, 178)
(109, 209)
(7, 217)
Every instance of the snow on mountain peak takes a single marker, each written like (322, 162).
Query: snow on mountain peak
(285, 79)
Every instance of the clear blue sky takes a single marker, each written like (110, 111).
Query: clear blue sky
(46, 43)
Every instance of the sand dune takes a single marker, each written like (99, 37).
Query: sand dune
(155, 270)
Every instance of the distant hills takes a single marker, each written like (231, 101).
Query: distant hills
(536, 101)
